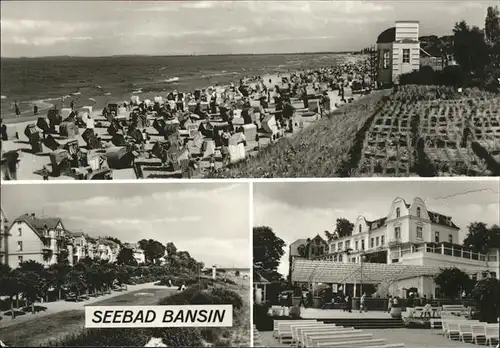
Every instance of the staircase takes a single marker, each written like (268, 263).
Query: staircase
(366, 323)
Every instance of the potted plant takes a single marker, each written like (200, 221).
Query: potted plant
(396, 308)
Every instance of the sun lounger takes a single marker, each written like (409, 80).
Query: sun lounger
(301, 331)
(295, 329)
(277, 322)
(310, 338)
(464, 331)
(357, 344)
(334, 337)
(285, 329)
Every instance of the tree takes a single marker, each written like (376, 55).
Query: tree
(237, 273)
(344, 228)
(481, 238)
(116, 240)
(171, 248)
(62, 257)
(267, 252)
(331, 236)
(57, 276)
(153, 250)
(485, 293)
(470, 49)
(126, 257)
(34, 286)
(492, 25)
(453, 281)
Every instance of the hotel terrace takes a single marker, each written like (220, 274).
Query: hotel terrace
(404, 250)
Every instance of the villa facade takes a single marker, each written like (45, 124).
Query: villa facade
(410, 238)
(47, 241)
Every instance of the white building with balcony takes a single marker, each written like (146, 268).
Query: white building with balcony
(404, 249)
(39, 239)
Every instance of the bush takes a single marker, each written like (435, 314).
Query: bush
(204, 297)
(105, 338)
(228, 297)
(485, 293)
(179, 337)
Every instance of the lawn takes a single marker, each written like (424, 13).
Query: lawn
(56, 326)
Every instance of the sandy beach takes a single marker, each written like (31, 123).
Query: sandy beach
(30, 164)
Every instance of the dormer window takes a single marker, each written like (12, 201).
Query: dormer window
(398, 213)
(418, 212)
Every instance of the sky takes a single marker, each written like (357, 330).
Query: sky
(103, 28)
(303, 210)
(210, 221)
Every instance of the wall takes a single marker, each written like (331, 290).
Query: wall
(398, 67)
(384, 75)
(32, 245)
(431, 259)
(407, 30)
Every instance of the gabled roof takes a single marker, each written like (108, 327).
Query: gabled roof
(38, 224)
(295, 246)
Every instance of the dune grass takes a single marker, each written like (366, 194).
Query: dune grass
(326, 149)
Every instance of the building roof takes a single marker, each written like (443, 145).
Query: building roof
(294, 247)
(38, 224)
(373, 225)
(442, 220)
(258, 278)
(387, 36)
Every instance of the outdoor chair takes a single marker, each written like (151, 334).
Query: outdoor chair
(478, 333)
(341, 336)
(326, 329)
(465, 331)
(492, 334)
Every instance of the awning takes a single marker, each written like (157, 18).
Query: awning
(337, 272)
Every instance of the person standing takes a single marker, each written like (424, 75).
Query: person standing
(389, 305)
(302, 302)
(363, 304)
(35, 110)
(16, 109)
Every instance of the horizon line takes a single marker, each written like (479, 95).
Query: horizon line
(186, 55)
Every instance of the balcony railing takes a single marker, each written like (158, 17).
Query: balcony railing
(443, 249)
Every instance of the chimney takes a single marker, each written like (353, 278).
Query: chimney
(33, 215)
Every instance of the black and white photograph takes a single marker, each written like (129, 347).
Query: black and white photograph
(410, 264)
(64, 247)
(113, 90)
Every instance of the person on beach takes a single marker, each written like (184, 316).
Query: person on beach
(35, 110)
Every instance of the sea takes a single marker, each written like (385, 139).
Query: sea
(96, 81)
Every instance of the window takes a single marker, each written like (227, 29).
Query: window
(436, 237)
(372, 242)
(347, 244)
(20, 231)
(20, 259)
(418, 212)
(398, 213)
(387, 59)
(377, 240)
(419, 232)
(340, 258)
(359, 228)
(397, 232)
(353, 260)
(382, 240)
(340, 246)
(474, 277)
(363, 244)
(406, 55)
(333, 247)
(357, 245)
(335, 258)
(493, 274)
(450, 238)
(19, 246)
